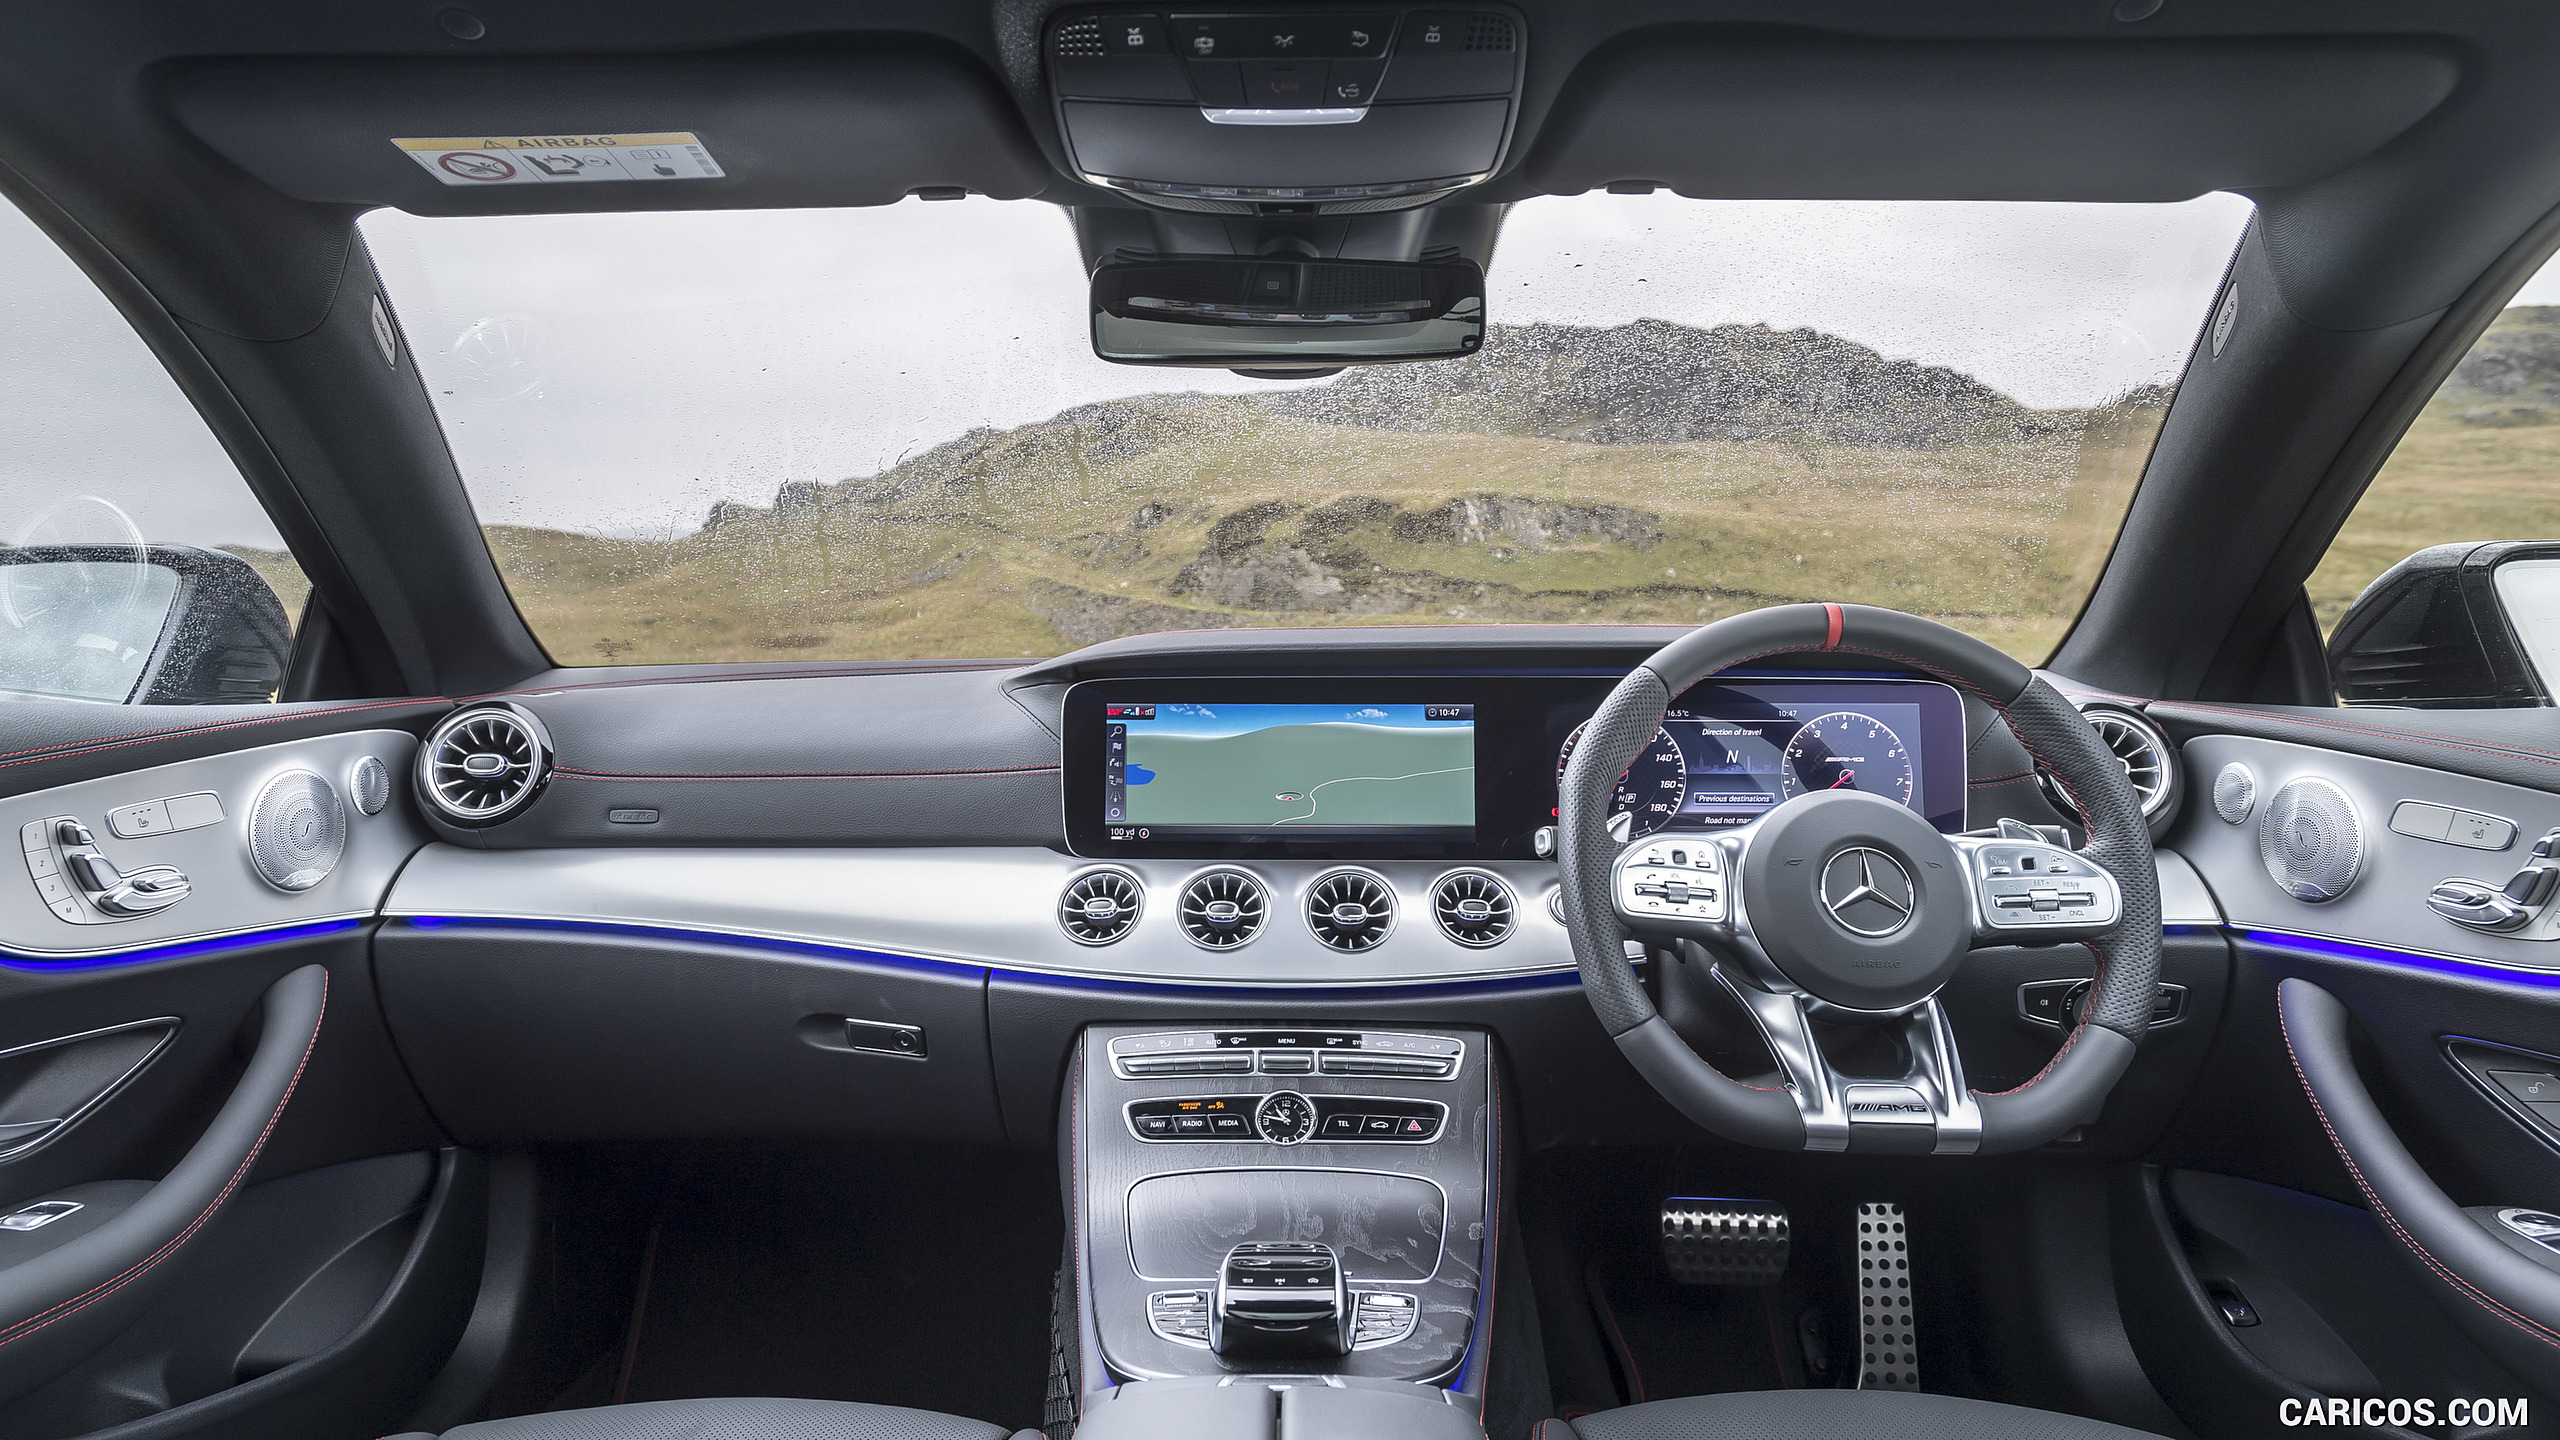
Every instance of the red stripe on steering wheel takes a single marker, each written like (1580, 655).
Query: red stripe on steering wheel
(1831, 638)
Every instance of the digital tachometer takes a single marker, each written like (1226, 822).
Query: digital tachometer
(1846, 750)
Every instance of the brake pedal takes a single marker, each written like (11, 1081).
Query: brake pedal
(1724, 1242)
(1888, 1332)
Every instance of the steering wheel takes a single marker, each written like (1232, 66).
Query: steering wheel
(1846, 909)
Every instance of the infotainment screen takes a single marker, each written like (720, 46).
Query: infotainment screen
(1349, 769)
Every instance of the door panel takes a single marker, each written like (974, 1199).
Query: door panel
(2318, 1173)
(263, 1224)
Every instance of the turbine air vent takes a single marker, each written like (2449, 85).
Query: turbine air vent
(1223, 909)
(1473, 908)
(1351, 910)
(484, 764)
(1099, 906)
(2150, 764)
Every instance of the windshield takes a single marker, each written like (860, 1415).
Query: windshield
(883, 434)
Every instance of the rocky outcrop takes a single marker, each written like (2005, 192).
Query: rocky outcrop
(2512, 375)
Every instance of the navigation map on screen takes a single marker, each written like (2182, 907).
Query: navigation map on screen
(1280, 768)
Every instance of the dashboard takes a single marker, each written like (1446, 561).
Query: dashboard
(1467, 767)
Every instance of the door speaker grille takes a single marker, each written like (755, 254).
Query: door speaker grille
(1099, 906)
(297, 830)
(2312, 840)
(484, 764)
(1351, 910)
(1223, 909)
(1474, 909)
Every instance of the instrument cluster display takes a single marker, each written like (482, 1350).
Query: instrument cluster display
(1729, 752)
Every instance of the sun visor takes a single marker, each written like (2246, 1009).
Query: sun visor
(1710, 114)
(539, 136)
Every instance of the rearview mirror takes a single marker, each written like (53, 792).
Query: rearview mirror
(1285, 314)
(2463, 626)
(139, 625)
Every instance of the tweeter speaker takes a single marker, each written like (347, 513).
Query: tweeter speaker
(2235, 791)
(2311, 839)
(297, 830)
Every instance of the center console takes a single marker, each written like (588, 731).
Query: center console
(1276, 1200)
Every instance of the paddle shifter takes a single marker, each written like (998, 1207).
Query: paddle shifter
(1280, 1298)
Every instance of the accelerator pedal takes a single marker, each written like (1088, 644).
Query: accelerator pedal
(1724, 1242)
(1888, 1333)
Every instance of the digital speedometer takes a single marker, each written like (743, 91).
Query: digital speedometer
(1653, 786)
(1847, 750)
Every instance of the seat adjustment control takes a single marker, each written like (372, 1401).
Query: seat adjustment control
(2499, 909)
(81, 886)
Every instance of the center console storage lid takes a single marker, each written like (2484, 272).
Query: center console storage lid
(1259, 1407)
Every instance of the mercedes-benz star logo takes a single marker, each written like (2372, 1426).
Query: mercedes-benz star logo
(1867, 891)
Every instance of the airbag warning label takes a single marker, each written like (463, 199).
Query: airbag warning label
(562, 159)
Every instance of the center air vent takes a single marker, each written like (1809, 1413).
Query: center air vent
(1351, 910)
(1223, 909)
(1099, 906)
(484, 764)
(2150, 764)
(1473, 908)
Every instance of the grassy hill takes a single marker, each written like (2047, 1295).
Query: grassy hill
(1645, 473)
(2481, 463)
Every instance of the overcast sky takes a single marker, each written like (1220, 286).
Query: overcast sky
(618, 373)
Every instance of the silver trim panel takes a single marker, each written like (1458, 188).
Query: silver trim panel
(972, 906)
(226, 897)
(2387, 907)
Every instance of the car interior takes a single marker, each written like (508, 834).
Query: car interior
(959, 719)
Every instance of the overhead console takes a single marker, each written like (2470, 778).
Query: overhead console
(1286, 111)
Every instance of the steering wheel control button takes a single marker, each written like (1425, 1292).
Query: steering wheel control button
(2039, 886)
(1680, 881)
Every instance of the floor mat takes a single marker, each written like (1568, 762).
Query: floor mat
(915, 1278)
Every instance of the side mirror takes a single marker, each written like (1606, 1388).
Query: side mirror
(139, 625)
(1272, 314)
(2472, 625)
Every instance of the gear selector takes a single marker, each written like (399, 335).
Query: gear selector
(1279, 1298)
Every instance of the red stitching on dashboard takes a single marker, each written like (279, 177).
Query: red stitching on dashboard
(2519, 752)
(103, 1289)
(86, 747)
(2521, 1321)
(575, 773)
